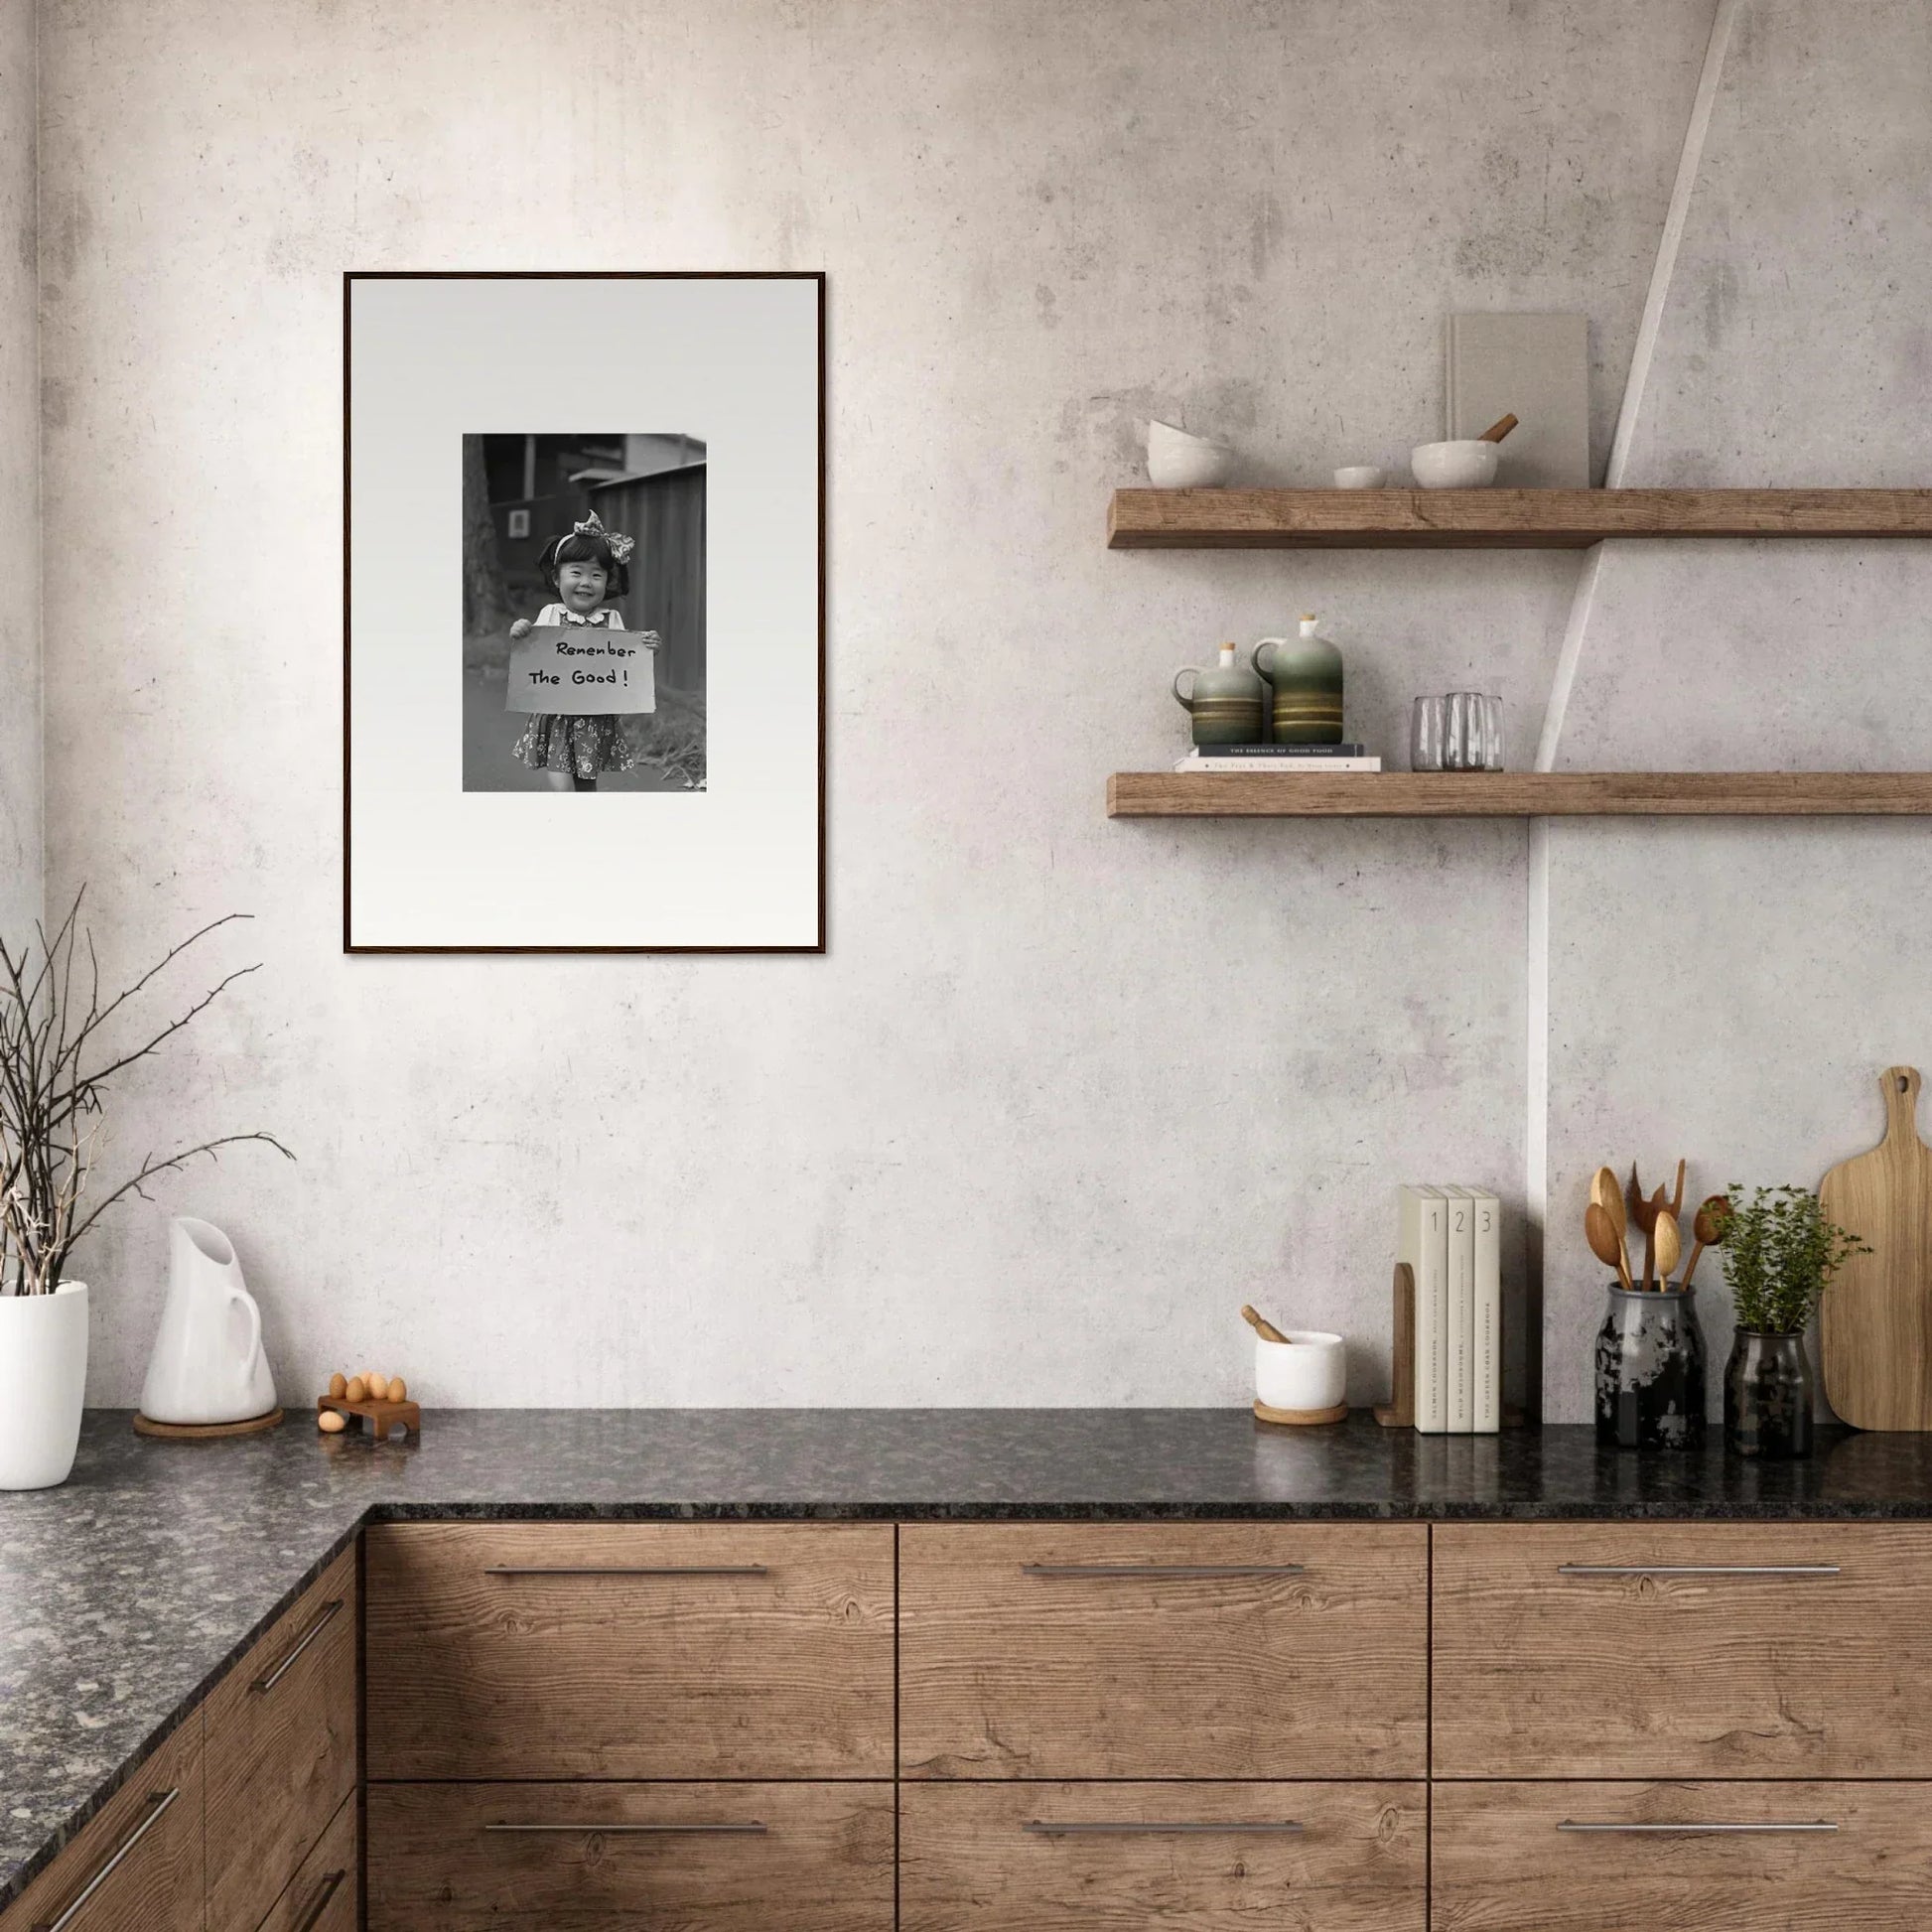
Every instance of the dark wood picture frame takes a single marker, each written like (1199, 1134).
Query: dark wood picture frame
(349, 278)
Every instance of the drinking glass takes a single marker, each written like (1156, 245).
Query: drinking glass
(1426, 731)
(1492, 732)
(1462, 731)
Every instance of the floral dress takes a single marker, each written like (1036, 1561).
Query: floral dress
(586, 746)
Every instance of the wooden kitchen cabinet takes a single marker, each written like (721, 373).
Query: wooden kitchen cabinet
(1587, 1857)
(632, 1651)
(325, 1893)
(1706, 1650)
(1195, 1856)
(598, 1857)
(1211, 1650)
(136, 1865)
(280, 1751)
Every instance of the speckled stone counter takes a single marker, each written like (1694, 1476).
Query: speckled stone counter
(127, 1593)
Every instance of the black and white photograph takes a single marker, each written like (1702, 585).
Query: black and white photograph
(584, 558)
(584, 613)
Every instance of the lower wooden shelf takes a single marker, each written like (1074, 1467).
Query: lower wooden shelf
(1518, 794)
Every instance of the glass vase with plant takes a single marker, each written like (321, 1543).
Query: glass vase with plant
(1780, 1254)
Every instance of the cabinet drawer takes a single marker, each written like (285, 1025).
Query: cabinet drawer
(280, 1751)
(1199, 1858)
(1504, 1861)
(559, 1858)
(1683, 1650)
(136, 1866)
(1220, 1650)
(639, 1651)
(325, 1892)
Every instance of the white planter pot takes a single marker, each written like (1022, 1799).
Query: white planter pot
(43, 1382)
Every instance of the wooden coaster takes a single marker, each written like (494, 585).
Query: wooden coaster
(1339, 1413)
(204, 1432)
(376, 1418)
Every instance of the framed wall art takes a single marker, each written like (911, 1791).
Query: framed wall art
(584, 613)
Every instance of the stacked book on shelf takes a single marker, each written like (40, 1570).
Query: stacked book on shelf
(1451, 1238)
(1301, 758)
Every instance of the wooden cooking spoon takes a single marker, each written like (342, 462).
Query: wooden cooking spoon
(1605, 1243)
(1669, 1239)
(1604, 1192)
(1677, 1199)
(1707, 1230)
(1261, 1326)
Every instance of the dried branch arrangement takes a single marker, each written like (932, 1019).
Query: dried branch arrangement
(55, 1066)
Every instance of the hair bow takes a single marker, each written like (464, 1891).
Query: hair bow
(618, 546)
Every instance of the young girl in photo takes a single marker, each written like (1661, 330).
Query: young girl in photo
(585, 568)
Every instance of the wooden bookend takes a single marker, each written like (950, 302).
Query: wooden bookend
(1399, 1411)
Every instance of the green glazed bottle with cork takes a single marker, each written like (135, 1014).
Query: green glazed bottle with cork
(1305, 673)
(1226, 702)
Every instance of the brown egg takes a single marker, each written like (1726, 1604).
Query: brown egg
(356, 1390)
(379, 1386)
(331, 1421)
(398, 1389)
(338, 1384)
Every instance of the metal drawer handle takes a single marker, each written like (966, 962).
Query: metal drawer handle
(1132, 1827)
(1161, 1569)
(158, 1802)
(1790, 1825)
(281, 1670)
(748, 1826)
(1698, 1570)
(627, 1570)
(320, 1902)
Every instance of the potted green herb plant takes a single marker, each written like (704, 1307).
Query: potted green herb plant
(63, 1040)
(1780, 1254)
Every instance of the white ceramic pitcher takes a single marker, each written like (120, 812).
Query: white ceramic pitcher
(208, 1363)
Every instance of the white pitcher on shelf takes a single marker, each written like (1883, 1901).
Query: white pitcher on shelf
(207, 1364)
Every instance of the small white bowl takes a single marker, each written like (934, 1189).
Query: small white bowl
(1310, 1371)
(1454, 465)
(1178, 460)
(1359, 475)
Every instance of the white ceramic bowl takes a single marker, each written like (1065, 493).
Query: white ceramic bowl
(1454, 465)
(1310, 1371)
(1178, 460)
(1359, 475)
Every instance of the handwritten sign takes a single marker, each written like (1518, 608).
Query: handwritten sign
(580, 668)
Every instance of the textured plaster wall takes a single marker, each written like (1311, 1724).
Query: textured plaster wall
(1065, 1092)
(20, 442)
(1731, 992)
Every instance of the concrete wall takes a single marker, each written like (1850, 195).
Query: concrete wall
(20, 444)
(1065, 1092)
(1731, 992)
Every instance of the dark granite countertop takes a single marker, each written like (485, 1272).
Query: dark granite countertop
(125, 1593)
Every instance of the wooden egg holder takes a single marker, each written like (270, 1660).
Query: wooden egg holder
(376, 1418)
(1399, 1411)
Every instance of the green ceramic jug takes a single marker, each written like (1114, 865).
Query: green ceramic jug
(1226, 702)
(1305, 674)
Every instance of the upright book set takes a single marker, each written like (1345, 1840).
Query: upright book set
(1449, 1241)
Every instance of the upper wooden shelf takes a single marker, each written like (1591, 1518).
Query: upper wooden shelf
(1518, 794)
(1505, 519)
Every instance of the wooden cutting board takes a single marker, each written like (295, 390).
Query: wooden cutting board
(1876, 1320)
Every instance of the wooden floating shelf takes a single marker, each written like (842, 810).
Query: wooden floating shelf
(1491, 520)
(1518, 794)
